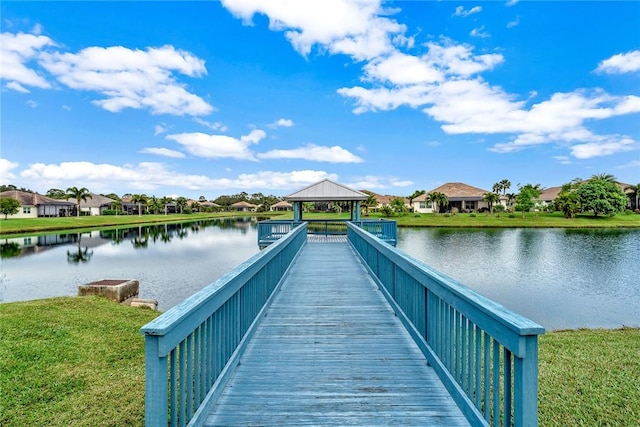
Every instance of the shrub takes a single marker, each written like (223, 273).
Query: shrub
(447, 215)
(454, 211)
(499, 208)
(472, 215)
(512, 215)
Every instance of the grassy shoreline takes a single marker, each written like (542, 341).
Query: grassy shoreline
(79, 361)
(15, 226)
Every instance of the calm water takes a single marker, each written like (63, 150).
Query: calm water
(171, 261)
(558, 278)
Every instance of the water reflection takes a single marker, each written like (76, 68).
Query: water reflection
(560, 278)
(172, 261)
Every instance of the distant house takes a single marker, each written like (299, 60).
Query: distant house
(243, 207)
(33, 205)
(95, 205)
(462, 196)
(548, 195)
(281, 206)
(385, 200)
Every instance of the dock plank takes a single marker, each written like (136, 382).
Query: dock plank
(330, 351)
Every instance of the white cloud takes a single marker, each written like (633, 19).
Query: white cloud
(462, 12)
(512, 2)
(16, 51)
(160, 129)
(13, 85)
(480, 32)
(219, 146)
(139, 79)
(287, 123)
(316, 153)
(163, 152)
(604, 147)
(373, 182)
(513, 23)
(402, 69)
(353, 27)
(621, 63)
(632, 164)
(217, 126)
(563, 160)
(149, 176)
(31, 103)
(6, 167)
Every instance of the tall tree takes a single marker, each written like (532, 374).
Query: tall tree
(604, 177)
(398, 206)
(181, 203)
(525, 200)
(439, 199)
(9, 206)
(505, 185)
(56, 193)
(413, 195)
(369, 203)
(154, 204)
(139, 200)
(602, 196)
(80, 194)
(491, 198)
(165, 202)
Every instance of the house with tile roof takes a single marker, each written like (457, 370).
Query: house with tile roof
(243, 207)
(94, 205)
(462, 196)
(33, 205)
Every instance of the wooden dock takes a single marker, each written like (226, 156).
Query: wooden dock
(331, 351)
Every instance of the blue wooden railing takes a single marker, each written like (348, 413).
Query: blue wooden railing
(192, 347)
(486, 355)
(271, 230)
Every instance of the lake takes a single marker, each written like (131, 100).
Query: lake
(560, 278)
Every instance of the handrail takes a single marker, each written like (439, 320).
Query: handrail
(485, 354)
(190, 349)
(270, 231)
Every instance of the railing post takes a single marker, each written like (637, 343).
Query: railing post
(526, 385)
(156, 393)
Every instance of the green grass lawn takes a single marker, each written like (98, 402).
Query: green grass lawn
(80, 362)
(16, 226)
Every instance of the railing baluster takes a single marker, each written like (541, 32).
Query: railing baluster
(507, 388)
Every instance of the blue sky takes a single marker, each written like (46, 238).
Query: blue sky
(210, 98)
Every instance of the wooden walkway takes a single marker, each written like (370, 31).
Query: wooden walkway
(331, 352)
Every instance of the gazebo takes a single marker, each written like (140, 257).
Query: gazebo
(326, 191)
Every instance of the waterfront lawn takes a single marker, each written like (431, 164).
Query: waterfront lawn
(72, 362)
(590, 378)
(80, 362)
(496, 220)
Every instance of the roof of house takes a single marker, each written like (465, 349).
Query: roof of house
(243, 204)
(33, 199)
(385, 199)
(325, 190)
(455, 191)
(282, 204)
(550, 194)
(95, 201)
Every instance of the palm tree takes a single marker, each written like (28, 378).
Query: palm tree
(440, 199)
(634, 193)
(166, 201)
(80, 194)
(604, 177)
(181, 203)
(505, 185)
(154, 204)
(139, 199)
(370, 202)
(491, 198)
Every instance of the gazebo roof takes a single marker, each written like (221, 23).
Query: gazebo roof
(325, 191)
